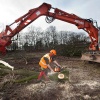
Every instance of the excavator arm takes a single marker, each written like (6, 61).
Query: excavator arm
(85, 24)
(44, 10)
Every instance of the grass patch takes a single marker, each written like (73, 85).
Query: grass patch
(24, 72)
(26, 79)
(4, 70)
(2, 73)
(3, 66)
(24, 75)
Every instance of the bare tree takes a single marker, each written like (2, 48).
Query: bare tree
(53, 35)
(31, 34)
(46, 37)
(62, 37)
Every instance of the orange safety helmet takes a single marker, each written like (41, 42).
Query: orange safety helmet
(53, 51)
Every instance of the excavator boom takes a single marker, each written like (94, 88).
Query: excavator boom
(23, 21)
(44, 10)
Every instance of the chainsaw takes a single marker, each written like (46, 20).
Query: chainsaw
(58, 69)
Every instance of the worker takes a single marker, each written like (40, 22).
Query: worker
(45, 64)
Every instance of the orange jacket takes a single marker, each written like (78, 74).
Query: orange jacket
(42, 62)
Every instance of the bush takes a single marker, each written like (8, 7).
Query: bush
(69, 50)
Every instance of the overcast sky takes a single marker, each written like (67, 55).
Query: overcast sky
(10, 10)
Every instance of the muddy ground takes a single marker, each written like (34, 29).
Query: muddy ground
(83, 83)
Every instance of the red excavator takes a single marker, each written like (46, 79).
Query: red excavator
(44, 9)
